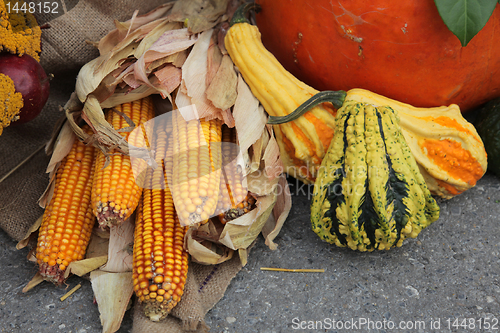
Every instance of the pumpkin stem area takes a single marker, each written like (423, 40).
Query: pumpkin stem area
(240, 16)
(335, 97)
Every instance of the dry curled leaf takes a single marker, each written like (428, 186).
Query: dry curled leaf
(200, 15)
(112, 292)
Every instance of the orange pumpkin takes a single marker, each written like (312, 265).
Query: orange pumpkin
(399, 49)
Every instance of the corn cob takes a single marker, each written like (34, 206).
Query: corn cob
(234, 199)
(68, 220)
(160, 263)
(238, 210)
(196, 168)
(115, 192)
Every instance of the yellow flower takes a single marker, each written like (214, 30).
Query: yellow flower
(19, 32)
(11, 102)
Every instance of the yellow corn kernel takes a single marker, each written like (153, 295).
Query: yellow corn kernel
(196, 164)
(69, 212)
(115, 192)
(234, 198)
(158, 247)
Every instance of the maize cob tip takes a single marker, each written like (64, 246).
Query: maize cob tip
(240, 209)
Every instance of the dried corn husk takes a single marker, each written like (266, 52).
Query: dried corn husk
(176, 52)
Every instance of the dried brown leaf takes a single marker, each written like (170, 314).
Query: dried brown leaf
(247, 107)
(222, 90)
(99, 243)
(29, 234)
(224, 27)
(35, 281)
(170, 42)
(180, 58)
(120, 251)
(260, 184)
(169, 77)
(241, 232)
(227, 118)
(154, 35)
(280, 212)
(214, 59)
(243, 254)
(206, 252)
(194, 73)
(201, 15)
(112, 292)
(128, 96)
(85, 266)
(274, 165)
(62, 146)
(92, 73)
(123, 29)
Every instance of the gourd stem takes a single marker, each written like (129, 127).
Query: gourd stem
(242, 11)
(335, 97)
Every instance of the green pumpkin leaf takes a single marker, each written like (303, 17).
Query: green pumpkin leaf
(465, 18)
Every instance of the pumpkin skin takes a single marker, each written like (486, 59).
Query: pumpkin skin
(399, 49)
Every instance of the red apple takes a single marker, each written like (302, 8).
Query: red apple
(30, 80)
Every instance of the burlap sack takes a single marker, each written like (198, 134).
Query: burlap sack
(65, 43)
(65, 50)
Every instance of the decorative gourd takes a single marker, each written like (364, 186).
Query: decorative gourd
(449, 151)
(369, 193)
(399, 49)
(304, 141)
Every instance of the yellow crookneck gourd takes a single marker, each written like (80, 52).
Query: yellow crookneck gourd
(304, 141)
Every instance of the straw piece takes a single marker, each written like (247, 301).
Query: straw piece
(69, 293)
(304, 270)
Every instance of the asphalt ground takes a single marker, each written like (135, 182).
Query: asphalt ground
(445, 280)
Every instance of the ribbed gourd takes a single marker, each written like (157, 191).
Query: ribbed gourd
(369, 193)
(449, 151)
(304, 141)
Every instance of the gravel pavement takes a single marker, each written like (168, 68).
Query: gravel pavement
(445, 280)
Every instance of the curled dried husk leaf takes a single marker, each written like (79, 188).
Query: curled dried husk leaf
(112, 292)
(120, 249)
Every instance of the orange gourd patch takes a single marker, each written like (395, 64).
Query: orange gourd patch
(453, 159)
(449, 122)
